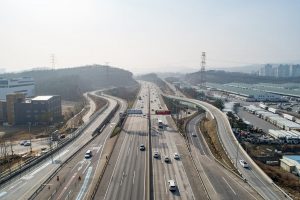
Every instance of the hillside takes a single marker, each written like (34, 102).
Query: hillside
(237, 77)
(70, 83)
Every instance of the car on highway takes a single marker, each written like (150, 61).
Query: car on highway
(172, 185)
(155, 154)
(194, 134)
(244, 164)
(142, 147)
(176, 156)
(88, 154)
(167, 159)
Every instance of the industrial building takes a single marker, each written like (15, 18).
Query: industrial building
(271, 116)
(291, 163)
(23, 85)
(246, 92)
(39, 110)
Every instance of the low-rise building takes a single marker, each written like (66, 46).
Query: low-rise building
(291, 164)
(38, 110)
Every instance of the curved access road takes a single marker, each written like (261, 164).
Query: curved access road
(254, 175)
(220, 183)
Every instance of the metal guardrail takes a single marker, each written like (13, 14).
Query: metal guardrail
(109, 117)
(31, 163)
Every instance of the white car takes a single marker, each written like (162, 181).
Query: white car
(176, 156)
(172, 185)
(194, 134)
(244, 164)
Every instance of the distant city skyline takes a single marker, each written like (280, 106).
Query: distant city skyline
(146, 36)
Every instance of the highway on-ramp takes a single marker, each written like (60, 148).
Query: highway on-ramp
(220, 183)
(254, 175)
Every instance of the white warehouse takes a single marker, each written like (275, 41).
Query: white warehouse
(24, 85)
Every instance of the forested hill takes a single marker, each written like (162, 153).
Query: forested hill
(237, 77)
(70, 83)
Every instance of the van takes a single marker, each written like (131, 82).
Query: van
(172, 185)
(88, 154)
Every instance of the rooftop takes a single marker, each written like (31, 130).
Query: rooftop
(294, 157)
(41, 98)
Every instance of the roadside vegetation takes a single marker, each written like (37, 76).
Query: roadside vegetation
(127, 93)
(71, 83)
(209, 131)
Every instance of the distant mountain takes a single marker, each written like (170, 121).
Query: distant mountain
(70, 83)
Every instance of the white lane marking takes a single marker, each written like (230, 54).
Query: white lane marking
(128, 151)
(165, 183)
(229, 185)
(84, 185)
(133, 177)
(15, 185)
(29, 176)
(66, 187)
(68, 196)
(86, 167)
(2, 193)
(122, 178)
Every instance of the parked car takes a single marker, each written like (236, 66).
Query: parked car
(27, 143)
(22, 142)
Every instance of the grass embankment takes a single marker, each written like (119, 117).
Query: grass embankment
(209, 131)
(289, 182)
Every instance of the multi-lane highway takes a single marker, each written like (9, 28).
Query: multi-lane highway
(165, 141)
(24, 185)
(127, 177)
(220, 183)
(255, 177)
(78, 177)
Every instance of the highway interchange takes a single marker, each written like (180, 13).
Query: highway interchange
(135, 174)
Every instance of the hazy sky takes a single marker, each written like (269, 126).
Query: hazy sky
(152, 35)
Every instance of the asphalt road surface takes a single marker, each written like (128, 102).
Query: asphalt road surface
(165, 142)
(220, 183)
(77, 178)
(258, 180)
(126, 177)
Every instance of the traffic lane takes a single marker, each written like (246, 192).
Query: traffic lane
(160, 189)
(184, 188)
(134, 165)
